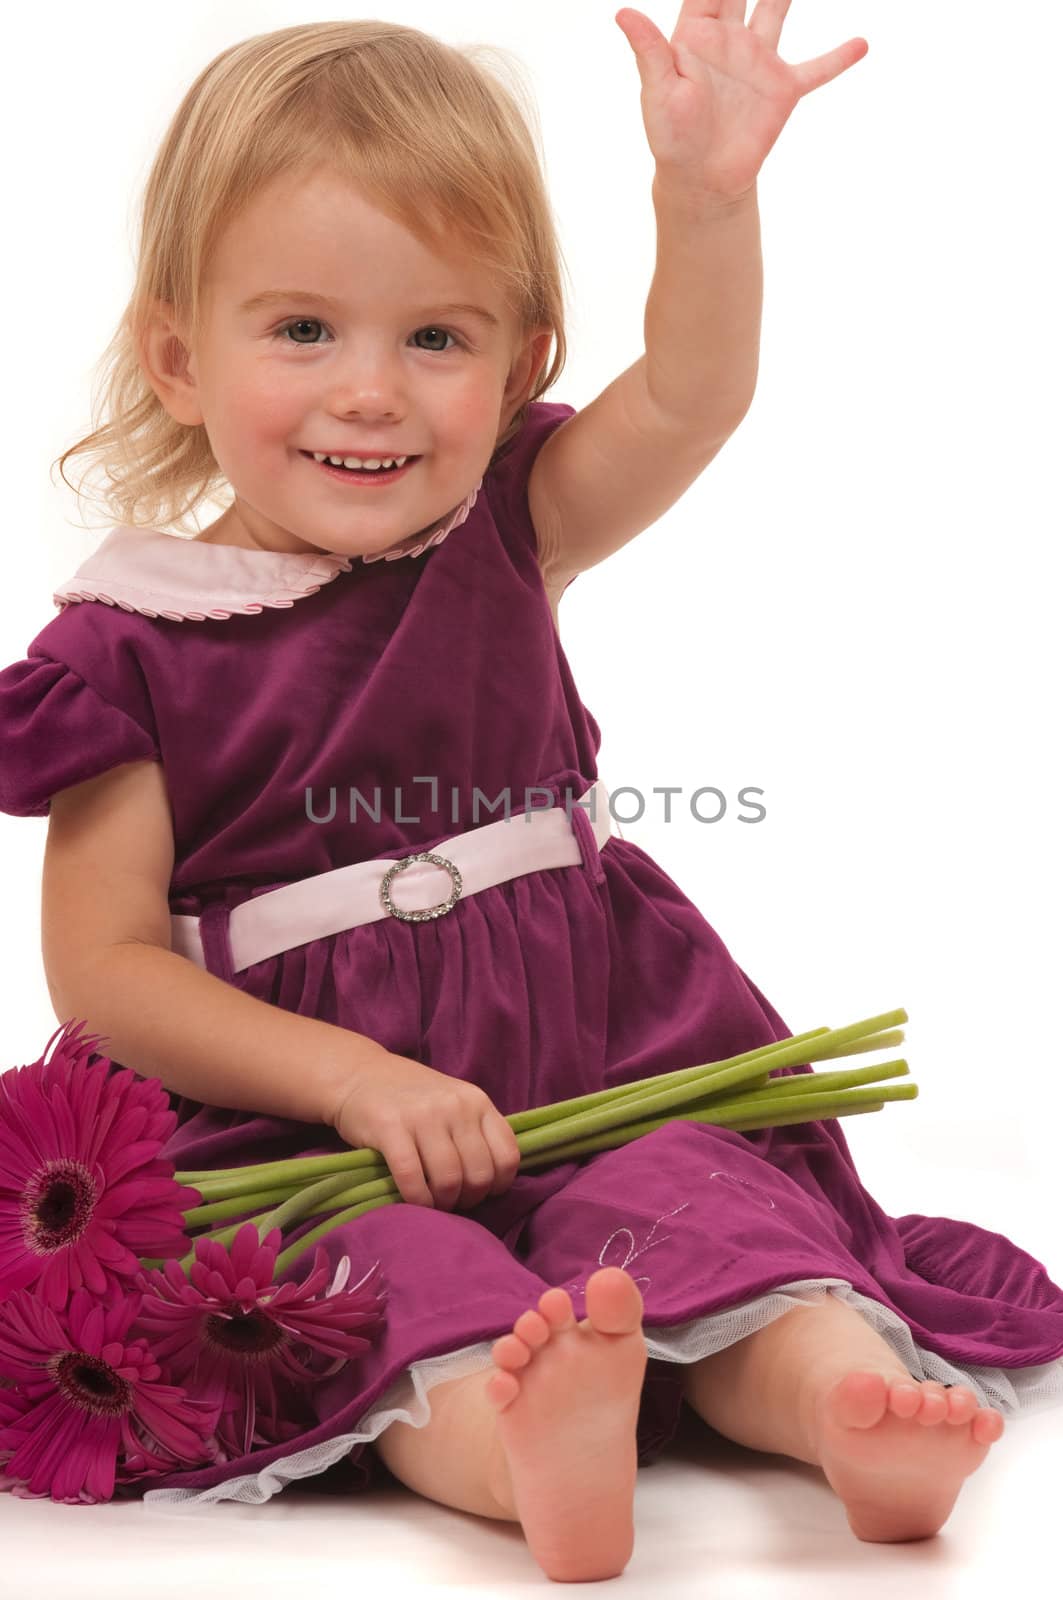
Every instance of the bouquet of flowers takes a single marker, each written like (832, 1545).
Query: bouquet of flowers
(126, 1356)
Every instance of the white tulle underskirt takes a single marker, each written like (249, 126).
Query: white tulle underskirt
(1012, 1391)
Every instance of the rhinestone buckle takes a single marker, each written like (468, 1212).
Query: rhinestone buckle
(439, 910)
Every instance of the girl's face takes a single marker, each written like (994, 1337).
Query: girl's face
(358, 351)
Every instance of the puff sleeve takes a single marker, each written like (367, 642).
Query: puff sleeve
(507, 480)
(57, 730)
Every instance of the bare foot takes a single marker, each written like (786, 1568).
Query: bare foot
(897, 1451)
(568, 1402)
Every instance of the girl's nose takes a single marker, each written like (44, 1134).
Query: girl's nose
(368, 376)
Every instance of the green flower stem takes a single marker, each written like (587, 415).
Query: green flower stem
(818, 1082)
(874, 1041)
(540, 1116)
(625, 1113)
(296, 1169)
(614, 1114)
(217, 1210)
(222, 1185)
(611, 1114)
(795, 1050)
(286, 1257)
(805, 1097)
(758, 1111)
(294, 1251)
(382, 1191)
(305, 1202)
(752, 1112)
(547, 1142)
(568, 1134)
(740, 1117)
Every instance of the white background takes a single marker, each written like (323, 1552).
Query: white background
(855, 608)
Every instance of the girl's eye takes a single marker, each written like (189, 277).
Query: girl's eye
(313, 322)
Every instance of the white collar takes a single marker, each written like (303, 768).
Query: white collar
(180, 578)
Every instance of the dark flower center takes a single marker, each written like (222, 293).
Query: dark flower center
(90, 1383)
(247, 1334)
(57, 1204)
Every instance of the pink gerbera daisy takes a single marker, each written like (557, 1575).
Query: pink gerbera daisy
(87, 1409)
(232, 1335)
(84, 1192)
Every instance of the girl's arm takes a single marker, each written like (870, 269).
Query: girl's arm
(622, 461)
(105, 940)
(715, 98)
(168, 1019)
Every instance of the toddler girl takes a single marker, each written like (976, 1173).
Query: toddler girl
(360, 657)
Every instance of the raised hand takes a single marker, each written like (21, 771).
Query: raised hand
(716, 96)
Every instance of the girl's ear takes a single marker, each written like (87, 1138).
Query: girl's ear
(168, 366)
(527, 366)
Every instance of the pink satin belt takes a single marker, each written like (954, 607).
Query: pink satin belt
(406, 887)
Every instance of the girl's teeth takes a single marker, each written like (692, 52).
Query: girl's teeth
(371, 465)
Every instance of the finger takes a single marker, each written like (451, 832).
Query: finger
(767, 20)
(442, 1166)
(404, 1164)
(477, 1164)
(724, 10)
(811, 74)
(505, 1152)
(653, 53)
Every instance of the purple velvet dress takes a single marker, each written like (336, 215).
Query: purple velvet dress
(268, 675)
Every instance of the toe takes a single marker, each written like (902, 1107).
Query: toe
(962, 1405)
(987, 1426)
(935, 1404)
(510, 1353)
(501, 1389)
(904, 1400)
(556, 1308)
(532, 1328)
(859, 1399)
(614, 1302)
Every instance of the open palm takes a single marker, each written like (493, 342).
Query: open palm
(717, 95)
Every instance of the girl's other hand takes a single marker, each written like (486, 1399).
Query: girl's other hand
(445, 1142)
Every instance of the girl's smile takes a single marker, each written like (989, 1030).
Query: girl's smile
(368, 478)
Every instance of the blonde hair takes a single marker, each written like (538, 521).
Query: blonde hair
(428, 136)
